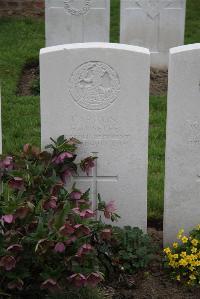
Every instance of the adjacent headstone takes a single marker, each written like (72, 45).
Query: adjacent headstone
(99, 93)
(182, 181)
(155, 24)
(76, 21)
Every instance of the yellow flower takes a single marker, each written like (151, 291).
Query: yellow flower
(183, 262)
(194, 250)
(184, 239)
(167, 250)
(181, 231)
(175, 256)
(175, 245)
(178, 277)
(183, 254)
(191, 268)
(198, 226)
(192, 277)
(194, 242)
(197, 263)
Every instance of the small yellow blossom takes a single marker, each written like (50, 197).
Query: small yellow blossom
(194, 250)
(198, 226)
(197, 263)
(180, 233)
(183, 254)
(184, 239)
(191, 268)
(194, 242)
(183, 262)
(175, 256)
(192, 277)
(167, 250)
(175, 244)
(178, 277)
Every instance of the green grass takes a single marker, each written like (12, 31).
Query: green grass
(20, 41)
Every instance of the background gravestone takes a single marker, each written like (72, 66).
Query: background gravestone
(155, 24)
(99, 93)
(182, 182)
(76, 21)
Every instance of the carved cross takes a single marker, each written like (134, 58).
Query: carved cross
(93, 179)
(153, 7)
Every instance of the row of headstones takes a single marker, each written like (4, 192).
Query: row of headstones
(155, 24)
(99, 93)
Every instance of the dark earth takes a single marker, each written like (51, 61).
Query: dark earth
(153, 283)
(30, 77)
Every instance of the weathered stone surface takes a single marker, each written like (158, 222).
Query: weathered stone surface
(155, 24)
(182, 181)
(99, 93)
(76, 21)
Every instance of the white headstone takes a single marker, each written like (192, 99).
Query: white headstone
(99, 93)
(155, 24)
(76, 21)
(182, 181)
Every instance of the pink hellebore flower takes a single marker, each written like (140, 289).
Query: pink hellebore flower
(51, 285)
(7, 163)
(70, 241)
(78, 280)
(106, 234)
(60, 247)
(81, 230)
(17, 284)
(84, 214)
(66, 230)
(43, 245)
(15, 248)
(87, 164)
(61, 157)
(8, 262)
(50, 204)
(8, 218)
(94, 278)
(65, 175)
(16, 183)
(109, 209)
(87, 213)
(84, 249)
(75, 195)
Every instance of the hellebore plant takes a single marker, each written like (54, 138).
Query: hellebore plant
(49, 235)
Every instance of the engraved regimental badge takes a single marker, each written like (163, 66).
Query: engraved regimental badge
(77, 7)
(94, 85)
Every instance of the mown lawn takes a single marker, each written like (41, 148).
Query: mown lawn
(20, 41)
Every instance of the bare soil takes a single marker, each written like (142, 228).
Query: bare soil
(30, 72)
(159, 82)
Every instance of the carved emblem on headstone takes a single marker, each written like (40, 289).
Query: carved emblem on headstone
(153, 7)
(94, 85)
(77, 8)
